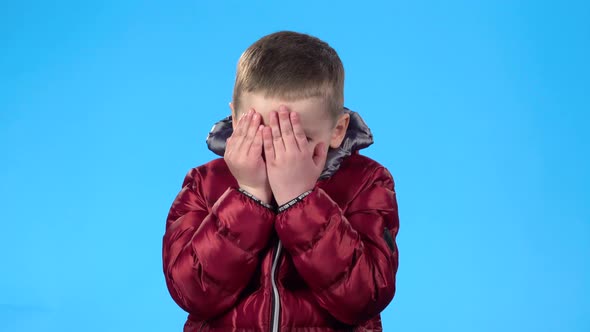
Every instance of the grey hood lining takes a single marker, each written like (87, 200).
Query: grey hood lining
(358, 136)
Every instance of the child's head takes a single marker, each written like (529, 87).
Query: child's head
(297, 70)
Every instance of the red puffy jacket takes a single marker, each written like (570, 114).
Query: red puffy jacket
(327, 263)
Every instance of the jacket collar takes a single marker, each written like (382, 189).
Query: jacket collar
(358, 136)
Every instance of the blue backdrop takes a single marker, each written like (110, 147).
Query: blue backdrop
(479, 109)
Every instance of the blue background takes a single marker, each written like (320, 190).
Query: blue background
(479, 109)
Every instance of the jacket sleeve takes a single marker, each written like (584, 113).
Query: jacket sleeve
(210, 255)
(348, 260)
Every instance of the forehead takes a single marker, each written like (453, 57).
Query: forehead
(313, 111)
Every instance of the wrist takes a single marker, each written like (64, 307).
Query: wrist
(260, 194)
(284, 206)
(283, 199)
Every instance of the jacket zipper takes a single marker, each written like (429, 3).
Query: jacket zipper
(276, 309)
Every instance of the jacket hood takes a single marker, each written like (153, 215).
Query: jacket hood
(358, 136)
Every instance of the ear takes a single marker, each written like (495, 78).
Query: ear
(234, 115)
(339, 130)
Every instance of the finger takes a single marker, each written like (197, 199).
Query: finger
(276, 132)
(256, 147)
(238, 130)
(241, 129)
(226, 152)
(286, 129)
(320, 153)
(269, 150)
(230, 143)
(251, 129)
(235, 140)
(227, 146)
(298, 131)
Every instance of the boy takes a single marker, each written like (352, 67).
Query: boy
(293, 229)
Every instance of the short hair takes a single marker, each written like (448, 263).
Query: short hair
(291, 66)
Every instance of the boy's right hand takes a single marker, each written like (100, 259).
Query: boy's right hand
(243, 156)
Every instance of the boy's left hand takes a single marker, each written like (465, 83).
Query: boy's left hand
(293, 164)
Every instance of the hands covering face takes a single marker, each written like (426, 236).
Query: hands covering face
(243, 156)
(292, 165)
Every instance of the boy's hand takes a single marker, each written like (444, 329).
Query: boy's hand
(243, 156)
(292, 163)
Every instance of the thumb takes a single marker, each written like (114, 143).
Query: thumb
(227, 148)
(320, 153)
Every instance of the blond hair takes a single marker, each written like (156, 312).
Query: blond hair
(291, 66)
